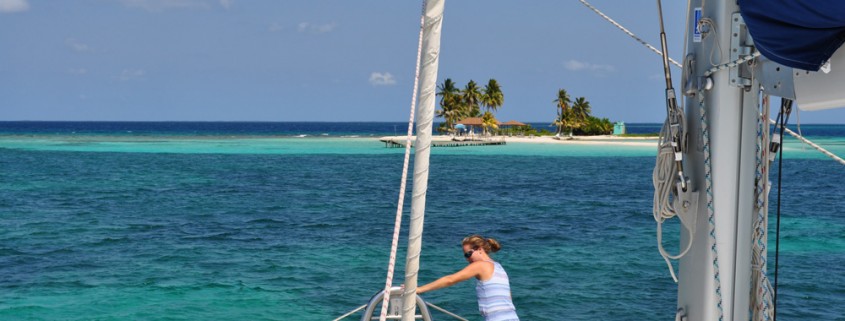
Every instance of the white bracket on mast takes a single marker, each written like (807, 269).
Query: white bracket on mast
(741, 46)
(776, 79)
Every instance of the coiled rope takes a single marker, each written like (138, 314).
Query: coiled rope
(664, 178)
(402, 185)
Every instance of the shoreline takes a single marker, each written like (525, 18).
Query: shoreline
(650, 141)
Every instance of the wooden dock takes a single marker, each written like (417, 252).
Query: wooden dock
(394, 142)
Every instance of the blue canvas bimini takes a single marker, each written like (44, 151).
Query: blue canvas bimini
(796, 33)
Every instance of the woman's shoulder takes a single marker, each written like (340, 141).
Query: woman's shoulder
(484, 265)
(485, 269)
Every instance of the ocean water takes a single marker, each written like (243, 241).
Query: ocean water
(250, 221)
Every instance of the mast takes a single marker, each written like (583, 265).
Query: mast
(714, 277)
(422, 150)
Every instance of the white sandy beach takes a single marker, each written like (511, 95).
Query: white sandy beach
(577, 140)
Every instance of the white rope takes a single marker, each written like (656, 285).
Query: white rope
(629, 33)
(711, 219)
(402, 186)
(445, 311)
(350, 312)
(731, 64)
(798, 124)
(813, 145)
(761, 287)
(664, 178)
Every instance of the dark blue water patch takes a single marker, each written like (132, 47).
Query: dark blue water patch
(128, 128)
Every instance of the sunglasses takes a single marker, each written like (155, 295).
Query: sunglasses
(468, 254)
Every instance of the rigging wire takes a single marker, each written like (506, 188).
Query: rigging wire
(350, 312)
(813, 145)
(668, 177)
(628, 32)
(785, 108)
(447, 312)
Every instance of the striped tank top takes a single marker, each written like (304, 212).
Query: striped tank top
(494, 296)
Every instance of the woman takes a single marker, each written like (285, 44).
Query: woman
(492, 286)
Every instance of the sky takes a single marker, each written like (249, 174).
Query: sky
(319, 60)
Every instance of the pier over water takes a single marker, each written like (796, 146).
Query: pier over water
(399, 142)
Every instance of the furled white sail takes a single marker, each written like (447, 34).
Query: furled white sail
(422, 149)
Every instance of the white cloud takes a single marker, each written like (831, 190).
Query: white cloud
(77, 71)
(382, 79)
(275, 27)
(576, 65)
(226, 3)
(159, 5)
(76, 45)
(130, 74)
(302, 27)
(315, 28)
(10, 6)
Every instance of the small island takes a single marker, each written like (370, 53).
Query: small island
(464, 123)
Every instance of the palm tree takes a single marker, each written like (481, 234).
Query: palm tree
(489, 121)
(492, 98)
(446, 90)
(471, 97)
(580, 112)
(451, 108)
(558, 122)
(563, 110)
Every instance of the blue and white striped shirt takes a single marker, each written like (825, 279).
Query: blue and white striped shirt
(494, 296)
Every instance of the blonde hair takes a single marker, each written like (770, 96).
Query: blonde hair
(489, 245)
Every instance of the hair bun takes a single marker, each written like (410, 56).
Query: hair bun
(494, 245)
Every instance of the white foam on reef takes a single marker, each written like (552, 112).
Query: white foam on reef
(301, 136)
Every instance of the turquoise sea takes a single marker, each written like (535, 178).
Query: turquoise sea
(250, 221)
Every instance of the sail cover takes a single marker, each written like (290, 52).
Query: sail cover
(796, 33)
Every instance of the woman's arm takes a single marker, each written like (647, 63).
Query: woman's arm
(469, 271)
